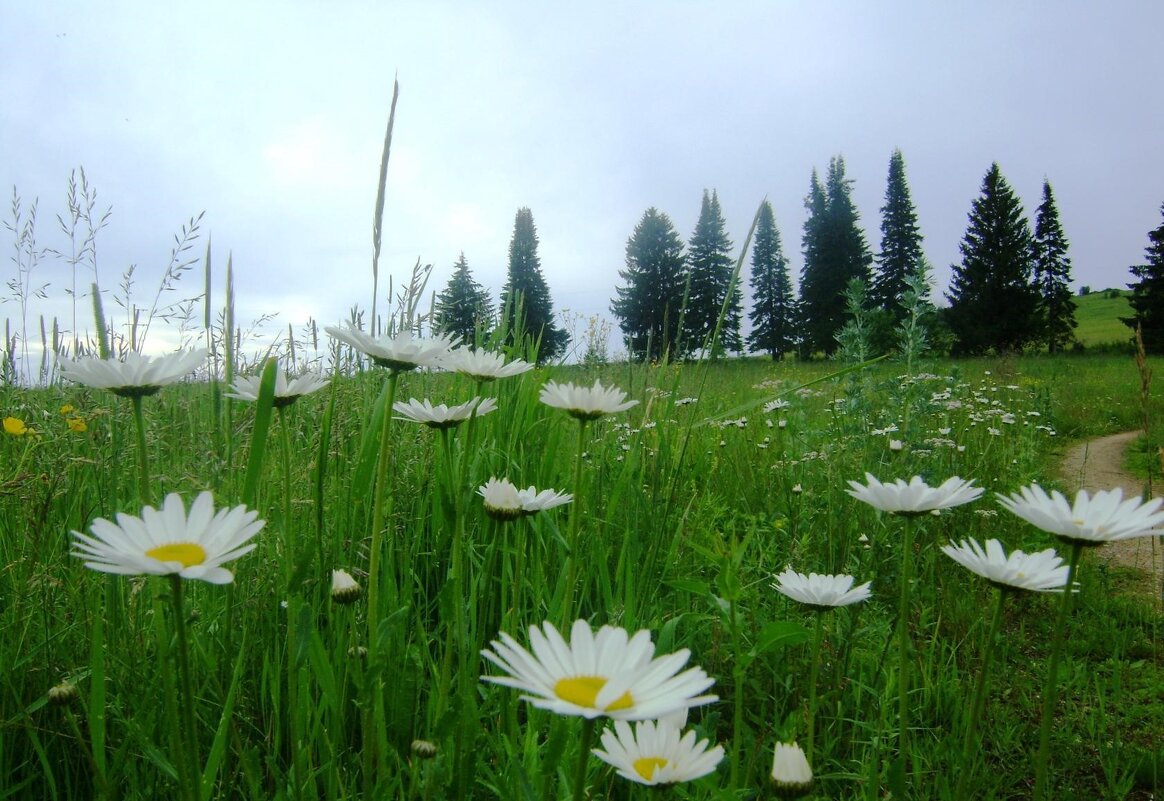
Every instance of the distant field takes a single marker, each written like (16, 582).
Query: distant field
(1099, 316)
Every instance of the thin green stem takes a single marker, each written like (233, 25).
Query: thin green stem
(903, 640)
(583, 759)
(288, 553)
(189, 769)
(1051, 689)
(979, 702)
(737, 688)
(143, 474)
(814, 671)
(575, 524)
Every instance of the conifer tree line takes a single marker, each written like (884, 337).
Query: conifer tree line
(675, 300)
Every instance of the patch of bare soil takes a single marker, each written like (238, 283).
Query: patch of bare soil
(1098, 465)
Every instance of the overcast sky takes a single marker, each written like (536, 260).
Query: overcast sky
(270, 117)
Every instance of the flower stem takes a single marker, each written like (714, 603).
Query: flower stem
(583, 759)
(814, 671)
(189, 772)
(979, 701)
(1050, 690)
(575, 525)
(288, 555)
(903, 639)
(143, 475)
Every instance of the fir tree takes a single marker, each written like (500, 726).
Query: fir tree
(835, 252)
(649, 306)
(901, 240)
(525, 299)
(1148, 293)
(773, 314)
(993, 299)
(464, 309)
(710, 264)
(1053, 276)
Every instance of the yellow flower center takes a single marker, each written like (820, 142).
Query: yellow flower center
(583, 691)
(187, 553)
(646, 766)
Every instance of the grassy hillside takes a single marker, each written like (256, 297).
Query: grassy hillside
(1099, 318)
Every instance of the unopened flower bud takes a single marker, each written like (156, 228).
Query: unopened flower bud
(424, 749)
(63, 694)
(791, 774)
(344, 589)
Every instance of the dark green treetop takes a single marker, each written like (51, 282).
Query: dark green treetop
(710, 264)
(525, 299)
(901, 239)
(464, 308)
(993, 300)
(649, 305)
(1148, 292)
(774, 314)
(1053, 275)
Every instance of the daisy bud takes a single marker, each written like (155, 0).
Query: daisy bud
(344, 589)
(63, 694)
(424, 749)
(791, 774)
(358, 652)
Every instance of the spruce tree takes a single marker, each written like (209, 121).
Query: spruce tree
(835, 252)
(773, 315)
(525, 299)
(1053, 276)
(1148, 293)
(710, 264)
(901, 240)
(649, 306)
(464, 308)
(993, 300)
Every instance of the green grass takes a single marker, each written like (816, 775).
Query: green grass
(683, 514)
(1098, 318)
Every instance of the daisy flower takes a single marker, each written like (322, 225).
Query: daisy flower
(483, 365)
(1091, 520)
(344, 588)
(585, 403)
(399, 353)
(1040, 572)
(654, 753)
(286, 391)
(916, 497)
(442, 416)
(504, 501)
(822, 592)
(166, 541)
(607, 674)
(137, 376)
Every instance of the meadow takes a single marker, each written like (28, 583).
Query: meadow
(684, 509)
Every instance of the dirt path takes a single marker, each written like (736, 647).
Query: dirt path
(1098, 465)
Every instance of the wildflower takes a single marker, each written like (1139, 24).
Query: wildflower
(654, 753)
(504, 501)
(585, 403)
(820, 591)
(77, 425)
(442, 416)
(1040, 572)
(15, 426)
(137, 376)
(423, 749)
(896, 445)
(916, 497)
(791, 773)
(66, 410)
(63, 694)
(167, 541)
(1090, 521)
(482, 365)
(606, 674)
(344, 588)
(286, 392)
(399, 353)
(779, 403)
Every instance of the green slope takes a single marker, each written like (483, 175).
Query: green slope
(1099, 316)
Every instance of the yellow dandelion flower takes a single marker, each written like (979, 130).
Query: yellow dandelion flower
(66, 410)
(77, 425)
(15, 426)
